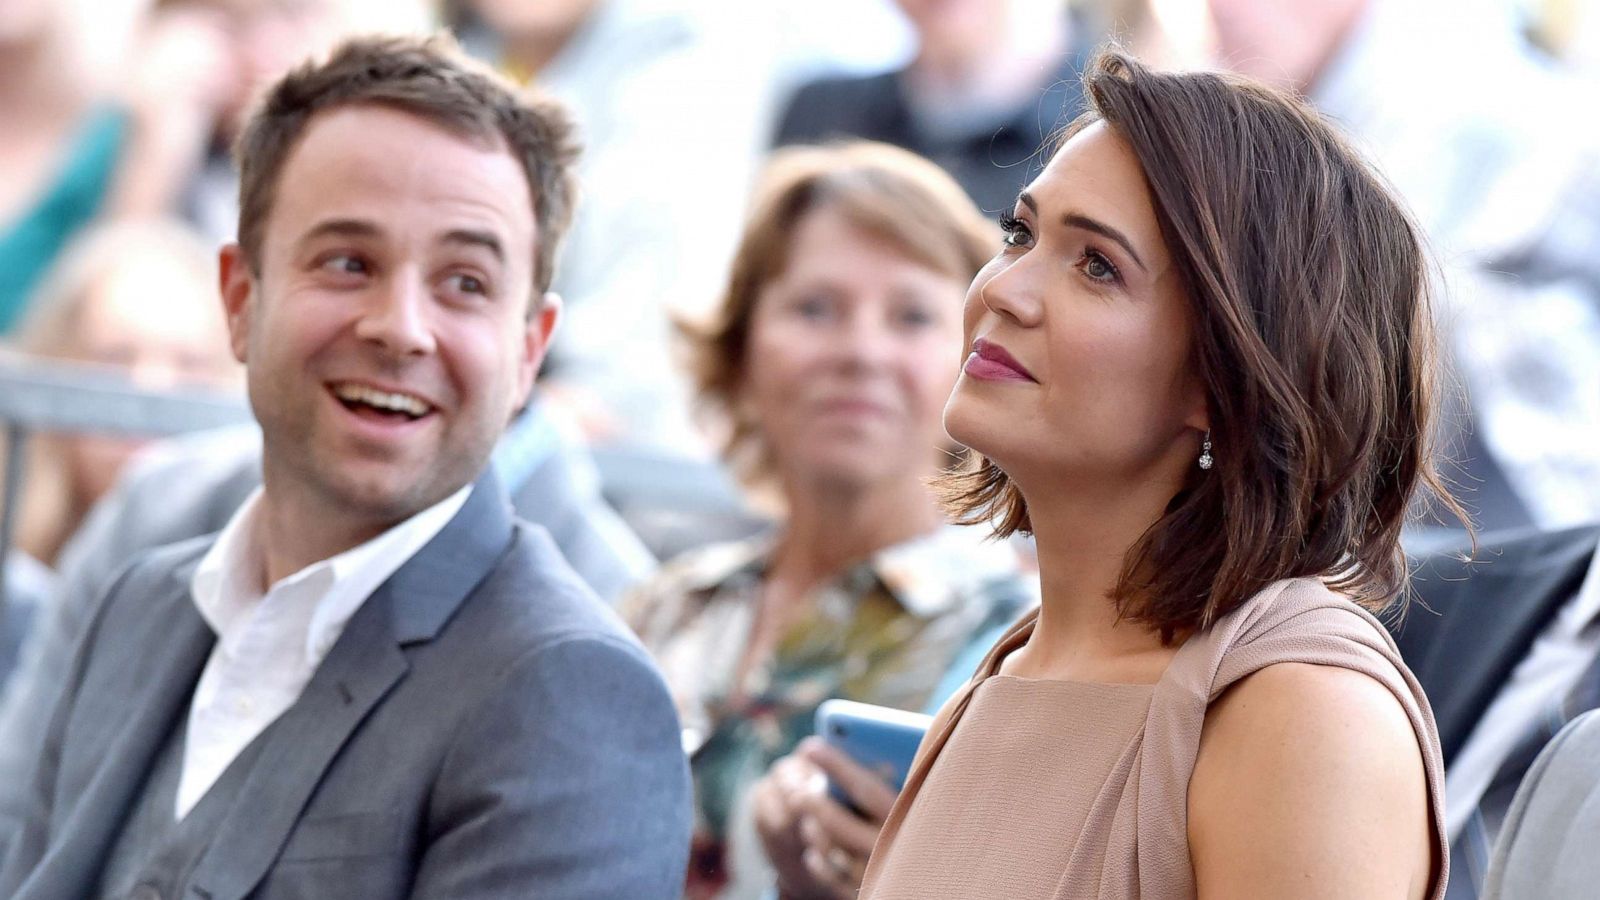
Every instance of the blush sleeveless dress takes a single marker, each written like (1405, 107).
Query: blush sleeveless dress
(1058, 790)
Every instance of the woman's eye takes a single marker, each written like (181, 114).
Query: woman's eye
(1016, 232)
(812, 308)
(1098, 267)
(913, 317)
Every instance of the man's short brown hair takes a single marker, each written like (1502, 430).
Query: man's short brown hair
(429, 78)
(1312, 335)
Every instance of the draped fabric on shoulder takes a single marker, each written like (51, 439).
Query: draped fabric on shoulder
(1134, 842)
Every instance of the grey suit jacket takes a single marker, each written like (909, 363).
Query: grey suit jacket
(1549, 847)
(191, 487)
(484, 727)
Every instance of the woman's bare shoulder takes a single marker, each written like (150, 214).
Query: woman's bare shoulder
(1310, 782)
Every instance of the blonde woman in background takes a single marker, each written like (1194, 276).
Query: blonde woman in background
(830, 357)
(137, 298)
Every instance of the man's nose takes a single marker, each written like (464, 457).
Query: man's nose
(396, 317)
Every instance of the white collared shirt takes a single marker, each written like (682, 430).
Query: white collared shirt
(269, 644)
(1555, 662)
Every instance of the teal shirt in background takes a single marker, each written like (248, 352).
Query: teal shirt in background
(31, 243)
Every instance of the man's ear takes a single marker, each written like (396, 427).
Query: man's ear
(238, 289)
(541, 327)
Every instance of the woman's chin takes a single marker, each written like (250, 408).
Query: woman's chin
(971, 424)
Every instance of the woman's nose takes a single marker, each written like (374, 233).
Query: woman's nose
(1010, 292)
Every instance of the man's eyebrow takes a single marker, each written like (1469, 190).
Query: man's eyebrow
(1079, 220)
(474, 238)
(340, 228)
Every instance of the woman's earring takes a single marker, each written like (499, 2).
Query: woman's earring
(1205, 451)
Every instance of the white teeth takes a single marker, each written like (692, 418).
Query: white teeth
(404, 403)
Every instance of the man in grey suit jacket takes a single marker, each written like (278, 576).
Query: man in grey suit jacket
(1547, 847)
(192, 485)
(1507, 648)
(375, 682)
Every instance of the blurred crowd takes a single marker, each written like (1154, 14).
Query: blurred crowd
(125, 111)
(117, 184)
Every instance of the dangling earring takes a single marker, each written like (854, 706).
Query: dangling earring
(1205, 451)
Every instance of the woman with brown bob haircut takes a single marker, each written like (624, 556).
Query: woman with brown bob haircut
(830, 359)
(1199, 374)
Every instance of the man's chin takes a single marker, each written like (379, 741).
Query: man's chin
(389, 499)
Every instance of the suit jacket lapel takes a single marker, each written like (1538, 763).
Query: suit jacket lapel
(162, 683)
(1487, 621)
(364, 665)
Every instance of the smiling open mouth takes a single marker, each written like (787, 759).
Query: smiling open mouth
(371, 402)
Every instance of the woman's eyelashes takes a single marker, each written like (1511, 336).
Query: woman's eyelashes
(1016, 232)
(1095, 266)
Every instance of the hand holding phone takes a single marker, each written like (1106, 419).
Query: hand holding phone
(882, 740)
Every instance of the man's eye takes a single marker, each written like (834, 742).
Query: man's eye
(468, 284)
(344, 264)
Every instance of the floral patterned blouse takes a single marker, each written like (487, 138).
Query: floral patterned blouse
(885, 632)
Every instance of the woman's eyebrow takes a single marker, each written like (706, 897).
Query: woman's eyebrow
(1079, 220)
(1088, 223)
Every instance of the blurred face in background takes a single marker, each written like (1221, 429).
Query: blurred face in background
(266, 38)
(24, 21)
(1282, 42)
(944, 25)
(158, 321)
(532, 18)
(95, 35)
(220, 53)
(852, 351)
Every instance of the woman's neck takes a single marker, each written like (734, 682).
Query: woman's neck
(831, 527)
(1083, 537)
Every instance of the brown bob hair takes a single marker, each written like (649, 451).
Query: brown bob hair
(887, 192)
(1313, 339)
(430, 78)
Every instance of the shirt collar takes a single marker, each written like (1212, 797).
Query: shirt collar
(927, 575)
(931, 574)
(227, 585)
(1584, 610)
